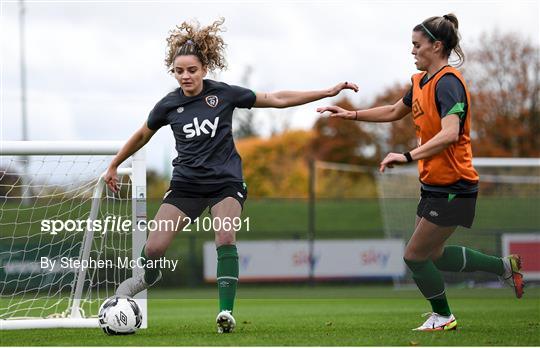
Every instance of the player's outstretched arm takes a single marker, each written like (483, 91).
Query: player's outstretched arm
(285, 99)
(387, 113)
(134, 143)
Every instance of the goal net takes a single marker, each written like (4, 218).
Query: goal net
(65, 244)
(508, 202)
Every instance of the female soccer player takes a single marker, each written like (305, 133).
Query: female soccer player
(208, 170)
(440, 105)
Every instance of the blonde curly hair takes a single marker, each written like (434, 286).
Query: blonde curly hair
(205, 43)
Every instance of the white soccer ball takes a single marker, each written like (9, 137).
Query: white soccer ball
(120, 316)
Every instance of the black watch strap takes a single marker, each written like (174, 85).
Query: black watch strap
(408, 156)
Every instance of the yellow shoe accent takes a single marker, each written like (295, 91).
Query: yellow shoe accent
(451, 326)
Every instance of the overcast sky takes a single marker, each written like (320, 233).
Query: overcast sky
(95, 68)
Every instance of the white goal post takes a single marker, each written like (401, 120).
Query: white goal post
(57, 181)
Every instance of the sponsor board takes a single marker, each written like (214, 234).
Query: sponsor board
(527, 245)
(282, 260)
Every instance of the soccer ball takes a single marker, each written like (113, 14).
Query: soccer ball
(119, 316)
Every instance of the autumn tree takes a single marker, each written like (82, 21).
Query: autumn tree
(503, 73)
(276, 167)
(349, 142)
(338, 140)
(400, 135)
(156, 184)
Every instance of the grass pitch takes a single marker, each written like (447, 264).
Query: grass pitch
(314, 316)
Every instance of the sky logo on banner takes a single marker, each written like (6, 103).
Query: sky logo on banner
(301, 257)
(196, 129)
(244, 261)
(373, 257)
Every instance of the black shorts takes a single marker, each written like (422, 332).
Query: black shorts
(192, 199)
(445, 209)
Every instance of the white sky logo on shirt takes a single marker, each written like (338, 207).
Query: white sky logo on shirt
(196, 129)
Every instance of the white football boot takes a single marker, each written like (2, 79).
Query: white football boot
(437, 322)
(132, 286)
(225, 322)
(512, 274)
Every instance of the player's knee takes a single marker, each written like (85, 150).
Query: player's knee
(154, 251)
(225, 238)
(436, 254)
(413, 254)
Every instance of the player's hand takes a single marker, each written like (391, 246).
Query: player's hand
(111, 179)
(341, 86)
(392, 159)
(336, 111)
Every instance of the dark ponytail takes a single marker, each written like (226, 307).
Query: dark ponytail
(444, 29)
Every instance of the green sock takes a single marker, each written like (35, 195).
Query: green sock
(461, 259)
(227, 276)
(150, 274)
(430, 282)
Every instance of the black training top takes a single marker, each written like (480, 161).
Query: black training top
(202, 128)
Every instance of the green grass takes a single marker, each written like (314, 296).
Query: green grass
(315, 316)
(324, 315)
